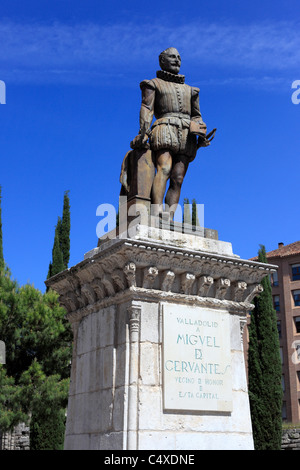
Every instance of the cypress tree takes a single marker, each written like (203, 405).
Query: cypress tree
(118, 218)
(57, 255)
(49, 271)
(195, 219)
(255, 383)
(1, 239)
(264, 368)
(64, 235)
(186, 218)
(61, 246)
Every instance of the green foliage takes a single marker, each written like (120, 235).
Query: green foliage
(9, 317)
(195, 220)
(47, 431)
(64, 235)
(61, 245)
(43, 392)
(57, 255)
(11, 412)
(118, 218)
(33, 326)
(47, 396)
(264, 366)
(35, 379)
(38, 342)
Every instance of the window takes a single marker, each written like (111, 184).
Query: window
(276, 302)
(297, 324)
(283, 383)
(283, 412)
(281, 355)
(295, 272)
(274, 279)
(298, 381)
(279, 329)
(296, 297)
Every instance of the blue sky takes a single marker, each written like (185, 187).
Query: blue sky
(72, 71)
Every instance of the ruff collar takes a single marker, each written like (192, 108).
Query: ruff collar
(170, 77)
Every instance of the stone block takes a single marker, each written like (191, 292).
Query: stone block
(149, 322)
(149, 366)
(235, 333)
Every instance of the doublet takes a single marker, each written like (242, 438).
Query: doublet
(174, 104)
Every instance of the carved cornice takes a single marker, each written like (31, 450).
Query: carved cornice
(134, 269)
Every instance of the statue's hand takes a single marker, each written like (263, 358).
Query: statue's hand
(203, 127)
(198, 128)
(206, 140)
(140, 141)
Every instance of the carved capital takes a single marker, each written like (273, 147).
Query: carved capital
(222, 286)
(239, 291)
(253, 291)
(204, 284)
(150, 275)
(130, 271)
(168, 280)
(187, 281)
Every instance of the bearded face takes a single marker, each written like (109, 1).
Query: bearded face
(170, 60)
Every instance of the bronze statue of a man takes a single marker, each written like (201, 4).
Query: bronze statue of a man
(178, 130)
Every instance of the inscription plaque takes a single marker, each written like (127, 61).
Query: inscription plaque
(196, 359)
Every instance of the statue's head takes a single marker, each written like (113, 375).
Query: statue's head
(170, 60)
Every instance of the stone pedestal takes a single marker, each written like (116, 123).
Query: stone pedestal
(157, 358)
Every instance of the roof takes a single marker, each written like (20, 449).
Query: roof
(283, 251)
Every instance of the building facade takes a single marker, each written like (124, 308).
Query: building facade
(286, 300)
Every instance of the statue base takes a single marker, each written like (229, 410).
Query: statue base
(158, 361)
